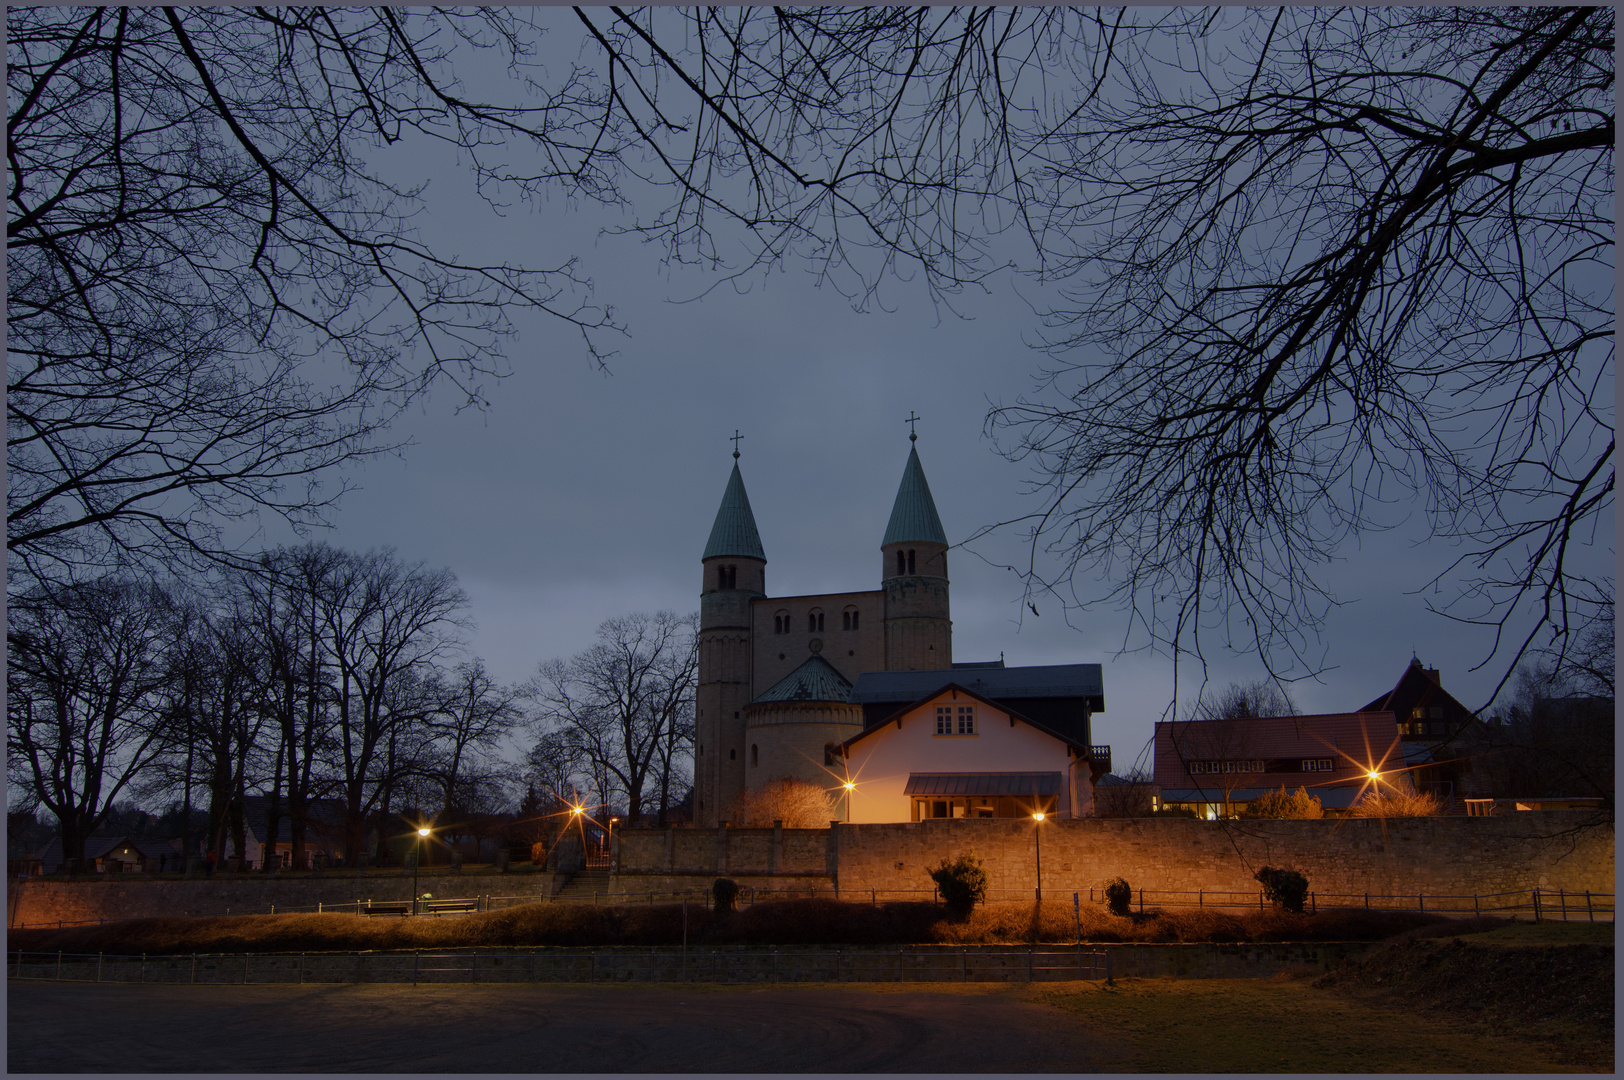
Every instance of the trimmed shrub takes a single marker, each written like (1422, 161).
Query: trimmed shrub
(1174, 811)
(724, 896)
(1287, 888)
(962, 883)
(1118, 896)
(1281, 804)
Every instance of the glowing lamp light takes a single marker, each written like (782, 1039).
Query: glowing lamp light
(423, 831)
(1374, 775)
(575, 810)
(1038, 816)
(850, 786)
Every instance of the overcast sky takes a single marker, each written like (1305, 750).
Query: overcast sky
(580, 495)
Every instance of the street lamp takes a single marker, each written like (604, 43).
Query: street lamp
(417, 864)
(1037, 840)
(850, 787)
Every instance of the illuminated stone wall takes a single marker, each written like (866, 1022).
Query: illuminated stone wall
(1440, 856)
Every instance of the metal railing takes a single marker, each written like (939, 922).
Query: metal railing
(545, 964)
(1541, 904)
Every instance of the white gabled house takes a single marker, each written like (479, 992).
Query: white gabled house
(955, 753)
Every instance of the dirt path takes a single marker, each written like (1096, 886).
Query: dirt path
(571, 1029)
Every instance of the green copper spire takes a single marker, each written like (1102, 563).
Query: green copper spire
(913, 515)
(735, 530)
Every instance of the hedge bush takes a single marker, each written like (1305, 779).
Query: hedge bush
(1287, 888)
(962, 883)
(1118, 896)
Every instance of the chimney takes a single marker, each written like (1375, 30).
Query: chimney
(1432, 673)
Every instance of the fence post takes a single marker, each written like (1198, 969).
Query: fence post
(1421, 900)
(194, 968)
(1536, 905)
(301, 969)
(1200, 898)
(1562, 898)
(1367, 901)
(1108, 980)
(59, 965)
(417, 958)
(245, 957)
(1588, 909)
(1476, 908)
(1313, 904)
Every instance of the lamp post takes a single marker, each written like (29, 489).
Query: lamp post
(850, 787)
(417, 864)
(1037, 840)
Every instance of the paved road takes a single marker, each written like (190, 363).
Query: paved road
(526, 1028)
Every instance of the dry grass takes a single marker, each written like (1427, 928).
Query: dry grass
(783, 922)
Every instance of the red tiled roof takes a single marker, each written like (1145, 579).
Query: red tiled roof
(1352, 743)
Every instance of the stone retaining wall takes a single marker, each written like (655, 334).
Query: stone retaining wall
(1443, 855)
(1438, 856)
(128, 897)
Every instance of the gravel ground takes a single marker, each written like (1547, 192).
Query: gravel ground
(942, 1028)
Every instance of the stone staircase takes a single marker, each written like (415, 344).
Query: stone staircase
(589, 886)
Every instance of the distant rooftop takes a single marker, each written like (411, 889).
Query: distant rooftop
(815, 680)
(997, 683)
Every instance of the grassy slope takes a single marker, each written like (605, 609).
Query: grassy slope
(1286, 1026)
(786, 922)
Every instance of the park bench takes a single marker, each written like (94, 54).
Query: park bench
(389, 907)
(448, 907)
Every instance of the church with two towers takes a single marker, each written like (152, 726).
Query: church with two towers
(786, 683)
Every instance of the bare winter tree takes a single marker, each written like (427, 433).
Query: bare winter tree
(471, 714)
(382, 622)
(84, 669)
(1238, 701)
(214, 297)
(1355, 263)
(618, 705)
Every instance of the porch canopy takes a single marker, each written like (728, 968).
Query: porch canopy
(984, 784)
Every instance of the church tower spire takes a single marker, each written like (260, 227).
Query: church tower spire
(735, 573)
(918, 630)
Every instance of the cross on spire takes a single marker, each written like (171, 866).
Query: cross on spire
(736, 437)
(912, 435)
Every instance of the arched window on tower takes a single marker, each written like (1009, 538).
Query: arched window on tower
(902, 563)
(814, 622)
(755, 756)
(910, 561)
(848, 619)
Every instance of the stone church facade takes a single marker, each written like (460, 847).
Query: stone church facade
(776, 673)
